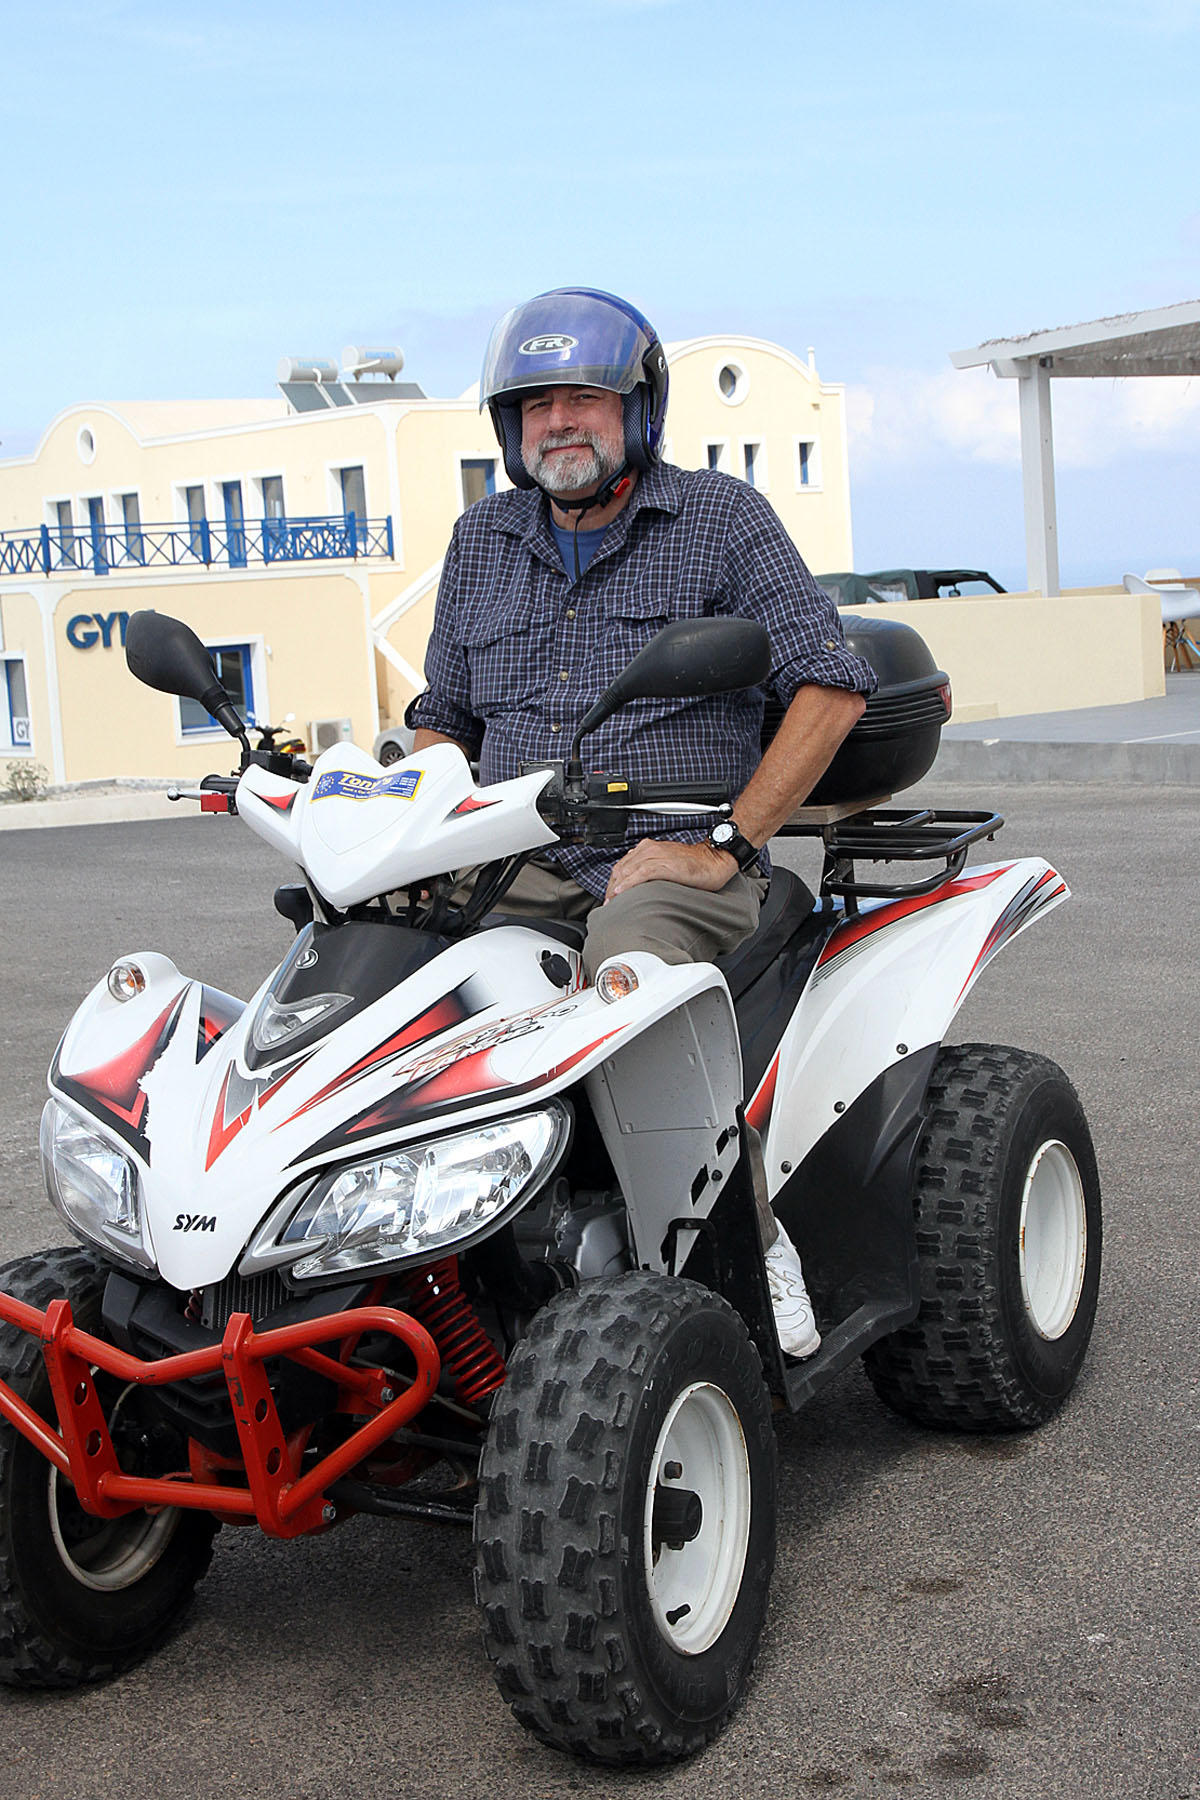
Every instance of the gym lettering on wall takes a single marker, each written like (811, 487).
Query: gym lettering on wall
(86, 630)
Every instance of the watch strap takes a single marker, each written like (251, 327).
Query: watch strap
(740, 848)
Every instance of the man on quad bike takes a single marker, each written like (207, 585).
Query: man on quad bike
(537, 609)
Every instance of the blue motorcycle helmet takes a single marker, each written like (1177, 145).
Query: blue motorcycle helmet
(577, 337)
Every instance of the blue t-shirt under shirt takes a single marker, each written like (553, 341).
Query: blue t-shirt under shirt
(589, 543)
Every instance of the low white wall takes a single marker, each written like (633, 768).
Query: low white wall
(1009, 654)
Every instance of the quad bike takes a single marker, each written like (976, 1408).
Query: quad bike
(431, 1228)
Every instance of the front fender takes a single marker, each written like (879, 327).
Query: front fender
(110, 1046)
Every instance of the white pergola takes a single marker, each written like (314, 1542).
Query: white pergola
(1165, 341)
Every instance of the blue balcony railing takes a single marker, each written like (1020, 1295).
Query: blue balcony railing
(201, 543)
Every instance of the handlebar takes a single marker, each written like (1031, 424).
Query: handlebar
(601, 802)
(622, 790)
(215, 793)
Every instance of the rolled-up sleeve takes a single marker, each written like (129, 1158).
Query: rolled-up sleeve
(445, 705)
(766, 579)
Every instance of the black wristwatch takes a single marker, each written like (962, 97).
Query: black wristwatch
(726, 836)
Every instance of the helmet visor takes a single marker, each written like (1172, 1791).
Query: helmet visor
(563, 339)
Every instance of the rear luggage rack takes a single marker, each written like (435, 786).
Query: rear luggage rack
(879, 834)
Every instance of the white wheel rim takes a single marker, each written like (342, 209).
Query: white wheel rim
(121, 1550)
(1053, 1240)
(694, 1589)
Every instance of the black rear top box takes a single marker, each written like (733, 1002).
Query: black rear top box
(896, 740)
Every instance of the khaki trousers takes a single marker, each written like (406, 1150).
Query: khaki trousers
(681, 924)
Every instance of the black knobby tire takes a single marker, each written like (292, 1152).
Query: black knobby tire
(608, 1641)
(391, 753)
(82, 1598)
(1007, 1212)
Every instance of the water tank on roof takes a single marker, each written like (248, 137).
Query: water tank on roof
(358, 361)
(305, 368)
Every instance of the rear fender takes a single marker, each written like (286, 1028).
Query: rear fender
(888, 984)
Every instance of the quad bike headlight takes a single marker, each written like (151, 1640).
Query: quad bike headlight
(422, 1196)
(92, 1183)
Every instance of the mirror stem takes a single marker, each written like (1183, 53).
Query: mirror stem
(217, 703)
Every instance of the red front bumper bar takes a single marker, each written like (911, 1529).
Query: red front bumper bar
(285, 1503)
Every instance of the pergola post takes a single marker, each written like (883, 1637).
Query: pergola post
(1037, 476)
(1163, 341)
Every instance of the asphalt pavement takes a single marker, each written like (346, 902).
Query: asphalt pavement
(950, 1616)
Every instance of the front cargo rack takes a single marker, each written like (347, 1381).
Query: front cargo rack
(882, 834)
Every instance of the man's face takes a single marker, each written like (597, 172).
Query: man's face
(572, 438)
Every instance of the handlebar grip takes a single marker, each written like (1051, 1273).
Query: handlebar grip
(704, 793)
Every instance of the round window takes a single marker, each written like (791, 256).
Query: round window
(732, 383)
(86, 444)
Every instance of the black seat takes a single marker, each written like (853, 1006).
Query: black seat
(788, 905)
(768, 973)
(564, 931)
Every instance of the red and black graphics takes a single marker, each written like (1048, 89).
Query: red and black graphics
(469, 805)
(239, 1099)
(758, 1113)
(281, 803)
(1038, 893)
(852, 937)
(454, 1008)
(218, 1012)
(458, 1075)
(112, 1092)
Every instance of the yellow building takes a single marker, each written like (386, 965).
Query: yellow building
(301, 537)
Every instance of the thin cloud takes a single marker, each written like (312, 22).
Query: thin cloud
(902, 417)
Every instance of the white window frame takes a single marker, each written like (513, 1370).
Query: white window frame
(257, 646)
(181, 521)
(256, 480)
(815, 481)
(460, 460)
(721, 446)
(333, 482)
(179, 492)
(119, 527)
(50, 506)
(741, 385)
(762, 481)
(8, 744)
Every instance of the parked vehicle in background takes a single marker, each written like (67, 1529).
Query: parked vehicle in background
(392, 744)
(279, 738)
(887, 585)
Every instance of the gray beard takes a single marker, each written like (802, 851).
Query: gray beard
(590, 472)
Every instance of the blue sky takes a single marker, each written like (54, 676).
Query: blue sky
(190, 193)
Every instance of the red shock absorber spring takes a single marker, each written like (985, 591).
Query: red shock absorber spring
(435, 1297)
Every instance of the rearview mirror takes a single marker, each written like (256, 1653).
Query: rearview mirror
(689, 656)
(166, 654)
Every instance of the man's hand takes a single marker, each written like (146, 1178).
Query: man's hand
(661, 859)
(811, 730)
(422, 738)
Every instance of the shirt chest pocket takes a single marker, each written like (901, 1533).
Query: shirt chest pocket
(506, 645)
(633, 620)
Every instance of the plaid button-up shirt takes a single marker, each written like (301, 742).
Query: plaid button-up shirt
(520, 651)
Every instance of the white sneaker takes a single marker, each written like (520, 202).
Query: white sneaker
(798, 1334)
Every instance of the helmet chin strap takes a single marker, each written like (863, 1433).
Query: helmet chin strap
(616, 485)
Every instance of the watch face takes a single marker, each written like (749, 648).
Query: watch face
(722, 833)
